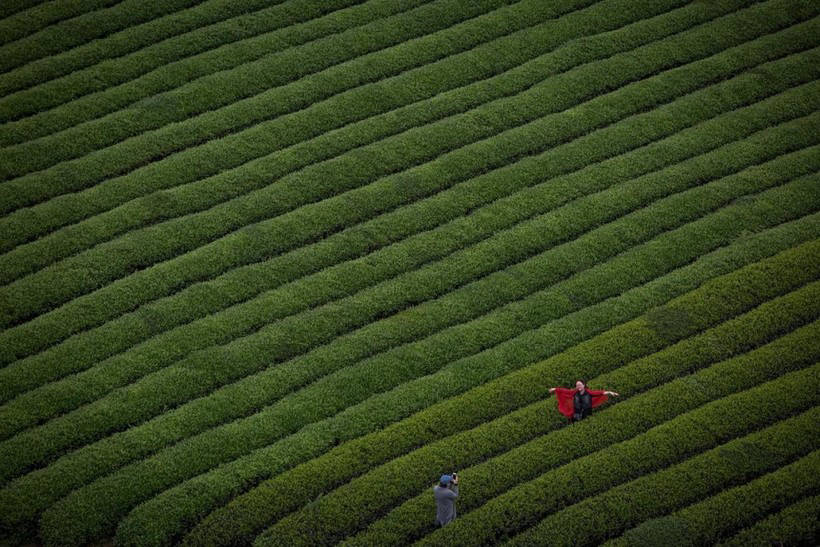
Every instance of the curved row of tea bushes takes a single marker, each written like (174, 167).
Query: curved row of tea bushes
(333, 515)
(599, 208)
(12, 7)
(162, 517)
(195, 197)
(326, 66)
(365, 114)
(33, 493)
(797, 524)
(20, 18)
(79, 29)
(241, 285)
(592, 521)
(203, 371)
(35, 293)
(228, 212)
(424, 214)
(196, 455)
(718, 517)
(345, 368)
(261, 139)
(145, 95)
(353, 276)
(644, 460)
(410, 520)
(336, 514)
(84, 110)
(134, 51)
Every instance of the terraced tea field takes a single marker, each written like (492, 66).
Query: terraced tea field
(269, 268)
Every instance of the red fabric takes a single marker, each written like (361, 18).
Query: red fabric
(565, 399)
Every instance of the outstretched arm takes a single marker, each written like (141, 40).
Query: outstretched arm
(600, 392)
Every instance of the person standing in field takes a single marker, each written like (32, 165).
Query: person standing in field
(576, 404)
(446, 493)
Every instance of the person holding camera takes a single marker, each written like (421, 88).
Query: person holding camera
(445, 493)
(577, 404)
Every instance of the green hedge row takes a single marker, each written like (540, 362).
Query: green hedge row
(11, 7)
(228, 213)
(329, 283)
(157, 206)
(21, 18)
(203, 371)
(30, 295)
(48, 329)
(141, 79)
(293, 36)
(411, 520)
(718, 517)
(231, 441)
(797, 524)
(726, 466)
(325, 66)
(313, 290)
(262, 139)
(41, 488)
(196, 197)
(337, 514)
(387, 107)
(594, 520)
(646, 456)
(200, 300)
(137, 50)
(334, 514)
(195, 498)
(82, 28)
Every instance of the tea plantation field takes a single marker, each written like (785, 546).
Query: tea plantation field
(269, 268)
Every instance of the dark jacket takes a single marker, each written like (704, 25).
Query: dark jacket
(445, 503)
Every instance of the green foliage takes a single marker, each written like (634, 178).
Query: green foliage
(705, 474)
(99, 306)
(92, 269)
(69, 24)
(640, 411)
(171, 466)
(12, 7)
(117, 58)
(202, 372)
(663, 531)
(376, 30)
(797, 524)
(469, 263)
(165, 514)
(644, 461)
(338, 513)
(717, 517)
(258, 259)
(210, 297)
(395, 104)
(669, 323)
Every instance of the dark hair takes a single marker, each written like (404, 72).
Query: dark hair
(582, 381)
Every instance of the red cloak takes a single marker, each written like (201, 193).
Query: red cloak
(565, 396)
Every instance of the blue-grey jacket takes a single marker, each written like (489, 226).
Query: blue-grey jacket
(445, 503)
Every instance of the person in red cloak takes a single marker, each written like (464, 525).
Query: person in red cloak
(576, 404)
